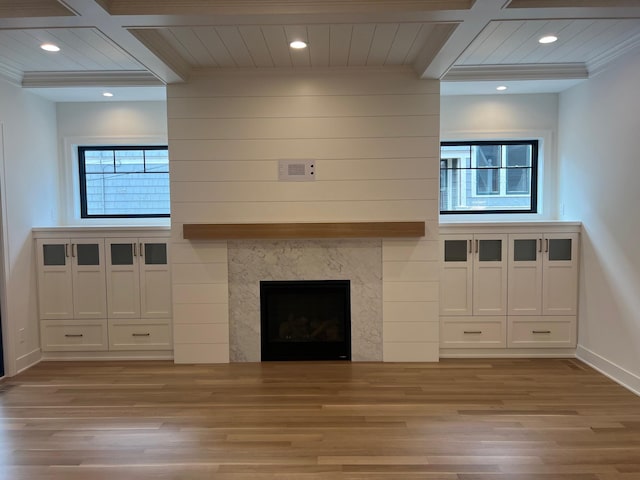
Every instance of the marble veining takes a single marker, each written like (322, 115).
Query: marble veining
(251, 261)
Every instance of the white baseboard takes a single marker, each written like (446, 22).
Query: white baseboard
(29, 360)
(616, 373)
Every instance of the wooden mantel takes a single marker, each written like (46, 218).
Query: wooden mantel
(240, 231)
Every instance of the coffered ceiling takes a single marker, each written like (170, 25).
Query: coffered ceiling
(147, 43)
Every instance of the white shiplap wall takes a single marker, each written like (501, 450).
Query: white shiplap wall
(375, 140)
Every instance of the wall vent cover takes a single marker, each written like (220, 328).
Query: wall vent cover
(296, 170)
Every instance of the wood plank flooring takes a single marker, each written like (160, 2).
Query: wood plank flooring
(516, 419)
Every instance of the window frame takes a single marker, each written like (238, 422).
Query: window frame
(82, 183)
(534, 169)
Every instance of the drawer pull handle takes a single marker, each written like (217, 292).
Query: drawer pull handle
(76, 335)
(140, 334)
(540, 331)
(475, 332)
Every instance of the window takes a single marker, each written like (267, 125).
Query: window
(117, 182)
(488, 177)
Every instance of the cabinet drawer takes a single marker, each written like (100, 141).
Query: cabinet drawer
(73, 335)
(473, 332)
(140, 335)
(545, 332)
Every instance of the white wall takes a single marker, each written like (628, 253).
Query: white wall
(29, 180)
(599, 176)
(100, 123)
(375, 140)
(504, 116)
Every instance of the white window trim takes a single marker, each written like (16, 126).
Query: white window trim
(547, 185)
(71, 180)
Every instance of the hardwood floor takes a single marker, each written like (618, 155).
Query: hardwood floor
(511, 419)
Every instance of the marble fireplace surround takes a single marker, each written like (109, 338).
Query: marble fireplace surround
(392, 268)
(251, 261)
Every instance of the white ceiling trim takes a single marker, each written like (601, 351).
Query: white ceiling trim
(139, 78)
(465, 73)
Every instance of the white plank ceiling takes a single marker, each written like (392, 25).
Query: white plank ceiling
(145, 42)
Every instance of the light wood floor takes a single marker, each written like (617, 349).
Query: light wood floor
(460, 419)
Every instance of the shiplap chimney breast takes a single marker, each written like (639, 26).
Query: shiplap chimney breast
(376, 136)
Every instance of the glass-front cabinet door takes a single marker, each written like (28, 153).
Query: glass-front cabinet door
(55, 290)
(525, 274)
(490, 274)
(155, 278)
(123, 278)
(89, 281)
(560, 273)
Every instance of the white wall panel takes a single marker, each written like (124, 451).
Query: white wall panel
(304, 106)
(375, 139)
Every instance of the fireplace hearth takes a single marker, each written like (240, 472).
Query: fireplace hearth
(305, 320)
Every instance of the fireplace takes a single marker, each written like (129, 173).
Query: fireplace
(305, 320)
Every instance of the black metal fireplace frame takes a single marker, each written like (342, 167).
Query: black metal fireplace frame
(308, 350)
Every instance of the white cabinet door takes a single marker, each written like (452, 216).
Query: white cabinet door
(89, 278)
(55, 290)
(123, 278)
(155, 278)
(490, 274)
(525, 274)
(560, 274)
(456, 275)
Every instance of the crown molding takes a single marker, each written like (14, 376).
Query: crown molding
(12, 76)
(466, 73)
(270, 7)
(602, 63)
(90, 79)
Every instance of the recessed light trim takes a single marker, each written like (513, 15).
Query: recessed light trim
(50, 47)
(107, 94)
(501, 88)
(298, 44)
(547, 39)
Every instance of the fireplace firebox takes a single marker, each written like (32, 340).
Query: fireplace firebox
(305, 320)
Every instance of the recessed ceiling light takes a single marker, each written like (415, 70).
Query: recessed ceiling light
(548, 39)
(107, 94)
(50, 47)
(501, 88)
(298, 44)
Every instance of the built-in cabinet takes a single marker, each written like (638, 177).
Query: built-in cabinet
(513, 288)
(110, 291)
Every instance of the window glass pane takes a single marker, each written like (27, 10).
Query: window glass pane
(490, 251)
(488, 177)
(88, 254)
(560, 249)
(121, 254)
(134, 184)
(100, 161)
(129, 161)
(455, 250)
(518, 180)
(54, 255)
(155, 253)
(525, 250)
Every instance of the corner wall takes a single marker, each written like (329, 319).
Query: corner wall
(599, 172)
(29, 184)
(375, 139)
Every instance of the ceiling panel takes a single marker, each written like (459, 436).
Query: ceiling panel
(33, 8)
(267, 46)
(82, 49)
(579, 41)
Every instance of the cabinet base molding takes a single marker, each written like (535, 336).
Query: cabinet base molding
(102, 356)
(508, 353)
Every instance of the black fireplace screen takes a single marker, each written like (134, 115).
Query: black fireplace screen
(305, 320)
